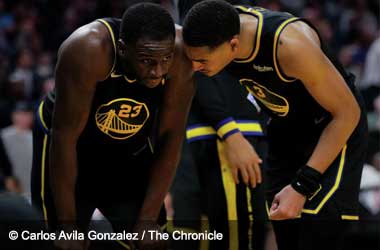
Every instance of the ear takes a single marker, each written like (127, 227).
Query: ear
(121, 48)
(234, 42)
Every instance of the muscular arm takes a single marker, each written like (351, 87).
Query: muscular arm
(300, 57)
(179, 91)
(76, 75)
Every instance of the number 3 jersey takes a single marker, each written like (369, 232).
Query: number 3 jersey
(297, 121)
(122, 122)
(294, 112)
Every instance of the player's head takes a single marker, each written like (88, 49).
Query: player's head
(146, 43)
(210, 33)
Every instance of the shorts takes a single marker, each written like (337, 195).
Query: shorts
(338, 196)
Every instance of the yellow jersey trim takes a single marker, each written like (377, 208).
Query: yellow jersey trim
(334, 188)
(123, 244)
(227, 128)
(209, 131)
(267, 208)
(201, 131)
(249, 127)
(316, 192)
(40, 113)
(43, 178)
(350, 217)
(275, 42)
(255, 50)
(230, 192)
(113, 42)
(129, 80)
(164, 227)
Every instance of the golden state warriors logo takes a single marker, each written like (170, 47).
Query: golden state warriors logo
(121, 118)
(276, 103)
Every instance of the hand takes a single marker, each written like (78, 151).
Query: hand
(243, 157)
(148, 243)
(287, 204)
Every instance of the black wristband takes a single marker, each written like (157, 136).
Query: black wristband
(307, 181)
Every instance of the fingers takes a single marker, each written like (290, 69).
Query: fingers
(254, 172)
(257, 172)
(274, 209)
(275, 204)
(283, 209)
(252, 177)
(234, 172)
(244, 175)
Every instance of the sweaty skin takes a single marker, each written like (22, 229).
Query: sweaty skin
(77, 74)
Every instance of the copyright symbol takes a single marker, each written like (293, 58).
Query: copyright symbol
(13, 235)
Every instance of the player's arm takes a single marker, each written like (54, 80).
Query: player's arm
(215, 109)
(179, 91)
(76, 75)
(301, 57)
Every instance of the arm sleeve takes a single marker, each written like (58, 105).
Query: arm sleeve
(214, 105)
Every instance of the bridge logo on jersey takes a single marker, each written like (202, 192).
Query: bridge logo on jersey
(274, 102)
(121, 118)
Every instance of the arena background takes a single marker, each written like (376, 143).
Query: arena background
(31, 32)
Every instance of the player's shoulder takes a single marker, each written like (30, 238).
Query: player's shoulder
(89, 49)
(299, 33)
(92, 39)
(298, 39)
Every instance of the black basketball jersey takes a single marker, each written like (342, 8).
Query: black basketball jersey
(121, 123)
(285, 99)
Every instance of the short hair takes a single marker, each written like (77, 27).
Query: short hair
(210, 23)
(146, 20)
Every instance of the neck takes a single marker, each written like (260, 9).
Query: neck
(248, 29)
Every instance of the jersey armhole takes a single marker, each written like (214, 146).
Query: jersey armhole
(108, 26)
(277, 67)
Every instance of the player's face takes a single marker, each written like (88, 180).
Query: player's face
(151, 60)
(210, 61)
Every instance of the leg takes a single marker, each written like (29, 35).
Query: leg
(42, 198)
(41, 195)
(213, 193)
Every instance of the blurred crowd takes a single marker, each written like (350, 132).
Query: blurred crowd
(32, 30)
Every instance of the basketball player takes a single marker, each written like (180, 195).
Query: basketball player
(109, 136)
(317, 132)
